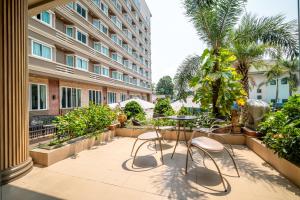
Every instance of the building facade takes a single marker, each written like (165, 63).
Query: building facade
(89, 51)
(265, 90)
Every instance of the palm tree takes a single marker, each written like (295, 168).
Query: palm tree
(185, 72)
(214, 22)
(255, 36)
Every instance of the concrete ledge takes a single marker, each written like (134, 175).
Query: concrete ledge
(286, 168)
(46, 157)
(237, 139)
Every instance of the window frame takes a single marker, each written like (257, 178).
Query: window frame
(82, 33)
(43, 44)
(87, 63)
(30, 96)
(99, 97)
(43, 22)
(82, 6)
(108, 97)
(61, 97)
(107, 68)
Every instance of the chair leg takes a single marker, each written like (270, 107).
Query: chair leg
(237, 171)
(231, 149)
(137, 152)
(186, 160)
(161, 153)
(219, 171)
(175, 145)
(155, 146)
(133, 146)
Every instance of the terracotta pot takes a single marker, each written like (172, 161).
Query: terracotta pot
(122, 118)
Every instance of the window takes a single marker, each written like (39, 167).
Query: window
(105, 71)
(284, 81)
(258, 90)
(117, 75)
(71, 5)
(81, 63)
(70, 97)
(104, 8)
(117, 40)
(81, 10)
(117, 57)
(70, 60)
(123, 97)
(95, 97)
(104, 50)
(69, 31)
(81, 37)
(104, 29)
(97, 69)
(97, 46)
(273, 82)
(38, 97)
(45, 17)
(259, 97)
(116, 21)
(97, 3)
(112, 97)
(41, 50)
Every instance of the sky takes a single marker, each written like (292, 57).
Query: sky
(173, 36)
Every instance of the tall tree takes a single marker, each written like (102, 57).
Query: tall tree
(185, 72)
(254, 36)
(165, 86)
(214, 22)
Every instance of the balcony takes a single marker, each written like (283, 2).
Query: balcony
(58, 70)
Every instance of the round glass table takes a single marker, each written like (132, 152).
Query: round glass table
(179, 120)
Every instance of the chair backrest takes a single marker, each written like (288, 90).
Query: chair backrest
(156, 123)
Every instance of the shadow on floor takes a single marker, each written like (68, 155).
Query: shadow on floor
(10, 192)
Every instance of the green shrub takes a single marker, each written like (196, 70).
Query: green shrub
(83, 121)
(292, 107)
(285, 143)
(163, 108)
(281, 130)
(134, 110)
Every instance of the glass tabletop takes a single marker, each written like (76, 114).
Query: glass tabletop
(182, 117)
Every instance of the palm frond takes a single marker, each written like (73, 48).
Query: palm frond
(184, 74)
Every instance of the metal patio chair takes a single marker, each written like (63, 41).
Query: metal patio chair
(150, 136)
(210, 133)
(206, 145)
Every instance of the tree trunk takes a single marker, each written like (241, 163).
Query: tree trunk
(243, 69)
(216, 88)
(277, 92)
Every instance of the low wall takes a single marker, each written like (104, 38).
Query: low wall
(286, 168)
(46, 157)
(238, 139)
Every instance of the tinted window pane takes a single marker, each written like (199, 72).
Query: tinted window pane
(69, 99)
(64, 98)
(73, 97)
(43, 97)
(34, 97)
(78, 102)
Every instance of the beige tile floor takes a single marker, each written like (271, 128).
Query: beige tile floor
(105, 172)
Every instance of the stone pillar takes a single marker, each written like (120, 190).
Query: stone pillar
(14, 154)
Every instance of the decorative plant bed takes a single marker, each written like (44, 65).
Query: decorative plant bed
(47, 155)
(286, 168)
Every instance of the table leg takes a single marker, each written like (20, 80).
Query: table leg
(186, 141)
(178, 125)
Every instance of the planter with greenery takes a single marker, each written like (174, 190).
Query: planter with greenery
(87, 121)
(281, 130)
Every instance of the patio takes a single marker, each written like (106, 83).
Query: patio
(105, 172)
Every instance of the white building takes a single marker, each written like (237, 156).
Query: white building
(261, 89)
